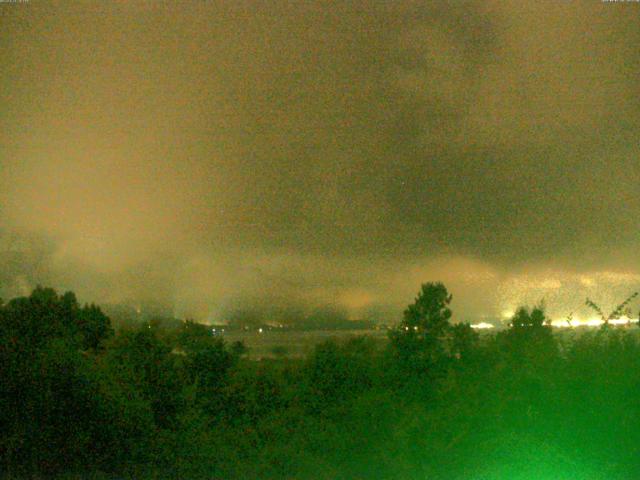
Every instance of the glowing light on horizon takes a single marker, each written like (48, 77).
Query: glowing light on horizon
(624, 320)
(591, 322)
(482, 325)
(508, 314)
(575, 322)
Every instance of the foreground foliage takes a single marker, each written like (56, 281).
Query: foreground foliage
(78, 401)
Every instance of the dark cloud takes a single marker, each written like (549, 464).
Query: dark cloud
(207, 153)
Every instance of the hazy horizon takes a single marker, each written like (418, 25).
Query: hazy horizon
(206, 156)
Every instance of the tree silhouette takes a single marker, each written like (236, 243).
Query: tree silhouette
(45, 315)
(523, 318)
(144, 362)
(93, 325)
(464, 340)
(530, 340)
(621, 309)
(421, 337)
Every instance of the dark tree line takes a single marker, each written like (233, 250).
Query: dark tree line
(438, 401)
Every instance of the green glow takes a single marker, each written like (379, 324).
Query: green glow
(520, 457)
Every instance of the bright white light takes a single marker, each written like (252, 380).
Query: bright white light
(591, 322)
(482, 325)
(623, 320)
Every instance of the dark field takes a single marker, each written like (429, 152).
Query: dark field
(296, 344)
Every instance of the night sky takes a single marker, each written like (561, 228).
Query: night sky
(211, 155)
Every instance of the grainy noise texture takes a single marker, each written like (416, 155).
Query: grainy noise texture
(201, 154)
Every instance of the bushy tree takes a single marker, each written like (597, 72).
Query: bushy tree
(464, 340)
(337, 370)
(421, 338)
(525, 318)
(193, 336)
(429, 314)
(93, 326)
(43, 315)
(529, 340)
(144, 363)
(54, 414)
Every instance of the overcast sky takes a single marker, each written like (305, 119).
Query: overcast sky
(207, 155)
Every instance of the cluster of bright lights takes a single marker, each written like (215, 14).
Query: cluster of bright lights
(574, 322)
(590, 322)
